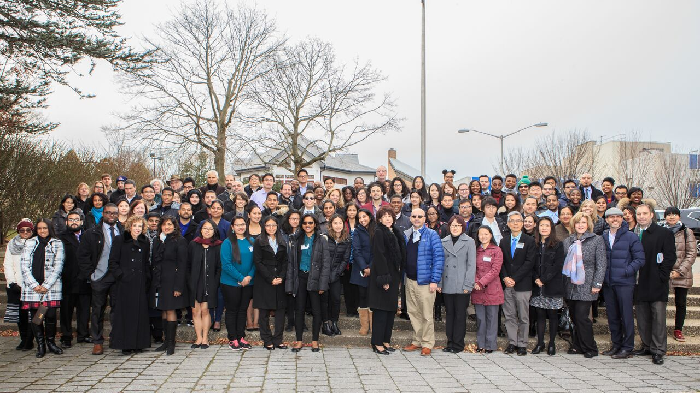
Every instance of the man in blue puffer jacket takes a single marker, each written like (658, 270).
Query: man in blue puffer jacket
(424, 262)
(625, 258)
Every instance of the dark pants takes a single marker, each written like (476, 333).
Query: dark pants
(651, 323)
(265, 333)
(217, 312)
(542, 316)
(456, 319)
(315, 300)
(619, 306)
(681, 299)
(361, 296)
(582, 339)
(236, 300)
(382, 326)
(101, 290)
(81, 303)
(404, 309)
(330, 302)
(291, 306)
(349, 293)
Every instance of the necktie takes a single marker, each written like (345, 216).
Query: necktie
(513, 243)
(111, 234)
(641, 232)
(588, 193)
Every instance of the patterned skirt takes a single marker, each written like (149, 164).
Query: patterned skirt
(546, 302)
(35, 305)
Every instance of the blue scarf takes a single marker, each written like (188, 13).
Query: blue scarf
(97, 213)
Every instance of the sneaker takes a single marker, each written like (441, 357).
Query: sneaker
(244, 344)
(678, 336)
(234, 345)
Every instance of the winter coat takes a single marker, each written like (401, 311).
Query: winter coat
(519, 267)
(549, 262)
(361, 255)
(595, 262)
(209, 268)
(431, 257)
(169, 274)
(476, 222)
(686, 250)
(459, 267)
(92, 242)
(59, 221)
(625, 257)
(128, 263)
(340, 257)
(70, 276)
(660, 256)
(53, 265)
(320, 268)
(389, 250)
(12, 264)
(488, 268)
(268, 266)
(561, 232)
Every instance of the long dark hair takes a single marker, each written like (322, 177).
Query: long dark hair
(264, 239)
(215, 235)
(52, 232)
(64, 199)
(352, 190)
(404, 189)
(235, 251)
(371, 226)
(176, 231)
(552, 240)
(488, 228)
(517, 206)
(423, 191)
(430, 198)
(286, 227)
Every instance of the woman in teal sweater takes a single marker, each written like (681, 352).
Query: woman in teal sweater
(237, 272)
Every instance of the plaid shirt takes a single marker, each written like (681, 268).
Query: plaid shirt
(53, 266)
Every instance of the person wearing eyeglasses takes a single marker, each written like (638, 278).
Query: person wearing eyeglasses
(309, 278)
(13, 275)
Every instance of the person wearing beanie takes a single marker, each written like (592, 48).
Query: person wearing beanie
(13, 275)
(119, 192)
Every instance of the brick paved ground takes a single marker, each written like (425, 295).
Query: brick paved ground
(334, 369)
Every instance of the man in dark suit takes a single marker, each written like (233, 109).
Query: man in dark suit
(519, 252)
(651, 291)
(587, 190)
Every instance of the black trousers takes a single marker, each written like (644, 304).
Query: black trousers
(382, 326)
(330, 302)
(236, 301)
(80, 302)
(456, 319)
(101, 291)
(582, 339)
(361, 296)
(266, 334)
(291, 306)
(404, 309)
(542, 316)
(681, 300)
(315, 300)
(349, 294)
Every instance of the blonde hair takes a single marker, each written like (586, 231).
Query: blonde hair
(340, 202)
(133, 219)
(594, 210)
(80, 185)
(578, 217)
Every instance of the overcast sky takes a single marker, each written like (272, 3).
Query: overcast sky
(607, 67)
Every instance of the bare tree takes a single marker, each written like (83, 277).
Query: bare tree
(205, 60)
(310, 106)
(634, 163)
(675, 183)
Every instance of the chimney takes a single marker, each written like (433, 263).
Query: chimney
(390, 174)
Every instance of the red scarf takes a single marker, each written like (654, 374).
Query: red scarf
(208, 242)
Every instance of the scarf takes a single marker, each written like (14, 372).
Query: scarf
(39, 258)
(208, 242)
(97, 213)
(16, 245)
(674, 228)
(573, 264)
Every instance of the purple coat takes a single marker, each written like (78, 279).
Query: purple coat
(487, 276)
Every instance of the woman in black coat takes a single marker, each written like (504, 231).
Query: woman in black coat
(204, 272)
(339, 251)
(548, 291)
(129, 264)
(169, 286)
(389, 250)
(271, 261)
(308, 277)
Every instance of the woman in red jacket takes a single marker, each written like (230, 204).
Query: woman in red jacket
(488, 293)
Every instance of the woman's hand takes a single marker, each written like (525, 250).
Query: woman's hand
(276, 281)
(246, 281)
(539, 283)
(177, 293)
(366, 272)
(320, 292)
(675, 274)
(595, 290)
(40, 289)
(477, 286)
(386, 287)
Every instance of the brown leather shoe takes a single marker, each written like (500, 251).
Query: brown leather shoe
(425, 352)
(97, 349)
(411, 348)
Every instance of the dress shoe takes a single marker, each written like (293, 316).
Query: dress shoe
(296, 349)
(551, 350)
(488, 350)
(425, 352)
(204, 346)
(327, 329)
(66, 344)
(389, 348)
(538, 348)
(404, 315)
(449, 350)
(317, 349)
(522, 351)
(381, 352)
(411, 348)
(641, 352)
(623, 354)
(87, 340)
(282, 346)
(97, 349)
(611, 351)
(270, 348)
(574, 351)
(195, 346)
(510, 348)
(590, 354)
(657, 359)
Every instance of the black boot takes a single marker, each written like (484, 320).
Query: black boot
(51, 338)
(164, 344)
(38, 331)
(336, 329)
(170, 337)
(326, 329)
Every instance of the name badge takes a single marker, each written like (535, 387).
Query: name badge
(659, 258)
(250, 248)
(520, 245)
(487, 259)
(304, 247)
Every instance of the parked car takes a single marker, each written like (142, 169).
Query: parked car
(691, 219)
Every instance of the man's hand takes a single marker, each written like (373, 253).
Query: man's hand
(433, 287)
(539, 283)
(366, 271)
(386, 287)
(177, 293)
(276, 281)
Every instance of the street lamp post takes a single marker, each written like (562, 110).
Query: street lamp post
(501, 138)
(422, 94)
(154, 158)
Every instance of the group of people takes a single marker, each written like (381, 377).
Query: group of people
(496, 248)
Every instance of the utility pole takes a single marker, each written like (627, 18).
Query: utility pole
(422, 96)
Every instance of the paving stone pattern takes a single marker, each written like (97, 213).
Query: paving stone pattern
(218, 369)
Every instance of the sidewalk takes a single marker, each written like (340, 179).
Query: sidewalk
(218, 369)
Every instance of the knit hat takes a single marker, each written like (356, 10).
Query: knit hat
(25, 223)
(524, 180)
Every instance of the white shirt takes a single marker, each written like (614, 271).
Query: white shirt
(611, 238)
(497, 236)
